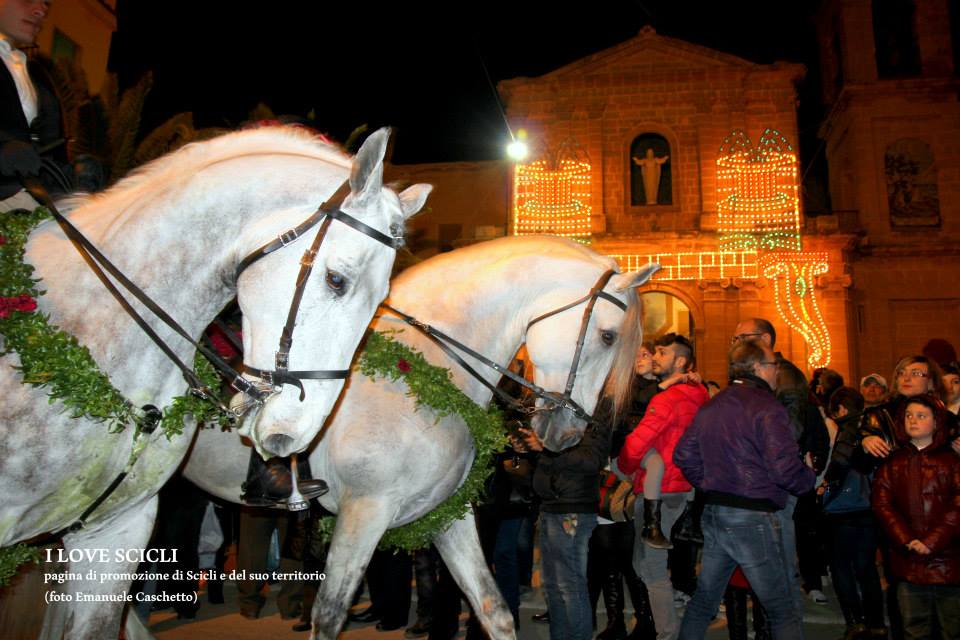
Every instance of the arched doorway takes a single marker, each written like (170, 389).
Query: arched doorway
(665, 313)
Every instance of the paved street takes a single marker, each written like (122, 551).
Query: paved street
(223, 622)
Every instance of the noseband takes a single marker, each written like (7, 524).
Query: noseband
(556, 401)
(271, 382)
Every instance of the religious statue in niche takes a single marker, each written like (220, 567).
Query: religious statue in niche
(650, 171)
(912, 194)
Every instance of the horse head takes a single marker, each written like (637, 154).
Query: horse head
(575, 375)
(349, 279)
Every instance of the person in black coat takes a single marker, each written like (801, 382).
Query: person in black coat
(32, 141)
(568, 485)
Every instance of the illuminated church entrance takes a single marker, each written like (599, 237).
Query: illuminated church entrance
(664, 313)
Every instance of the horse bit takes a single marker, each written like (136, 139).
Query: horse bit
(556, 400)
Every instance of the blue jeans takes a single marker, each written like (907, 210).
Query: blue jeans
(788, 534)
(563, 545)
(753, 540)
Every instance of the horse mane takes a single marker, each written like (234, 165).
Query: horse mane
(618, 387)
(176, 167)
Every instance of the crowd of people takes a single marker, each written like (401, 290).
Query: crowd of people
(771, 476)
(696, 498)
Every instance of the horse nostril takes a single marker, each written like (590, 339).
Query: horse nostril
(278, 444)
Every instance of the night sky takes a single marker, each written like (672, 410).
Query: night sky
(416, 66)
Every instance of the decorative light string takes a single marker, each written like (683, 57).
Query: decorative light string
(757, 197)
(792, 275)
(553, 201)
(700, 265)
(758, 207)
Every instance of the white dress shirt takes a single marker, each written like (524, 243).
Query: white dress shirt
(16, 62)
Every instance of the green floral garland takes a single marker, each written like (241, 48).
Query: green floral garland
(384, 357)
(12, 557)
(54, 360)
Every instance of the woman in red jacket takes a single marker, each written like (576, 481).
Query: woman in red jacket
(916, 496)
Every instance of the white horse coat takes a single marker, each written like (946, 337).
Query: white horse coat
(178, 228)
(388, 463)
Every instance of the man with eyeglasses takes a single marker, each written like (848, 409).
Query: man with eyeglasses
(741, 453)
(810, 433)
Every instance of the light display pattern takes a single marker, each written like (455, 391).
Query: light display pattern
(759, 226)
(554, 201)
(792, 275)
(757, 201)
(700, 265)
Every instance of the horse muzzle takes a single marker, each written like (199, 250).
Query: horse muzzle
(558, 429)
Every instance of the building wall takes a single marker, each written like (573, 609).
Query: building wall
(88, 23)
(904, 279)
(473, 195)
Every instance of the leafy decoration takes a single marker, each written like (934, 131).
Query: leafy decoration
(430, 385)
(54, 360)
(12, 557)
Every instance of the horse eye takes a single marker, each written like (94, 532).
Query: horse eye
(337, 282)
(608, 337)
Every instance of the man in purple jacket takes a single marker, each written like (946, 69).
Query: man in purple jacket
(741, 452)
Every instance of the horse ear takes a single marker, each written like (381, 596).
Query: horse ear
(413, 198)
(366, 175)
(633, 279)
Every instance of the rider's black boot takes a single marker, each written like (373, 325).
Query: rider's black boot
(269, 483)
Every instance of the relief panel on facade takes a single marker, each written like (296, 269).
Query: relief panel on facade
(911, 175)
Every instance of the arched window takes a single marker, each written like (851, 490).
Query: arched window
(651, 180)
(911, 173)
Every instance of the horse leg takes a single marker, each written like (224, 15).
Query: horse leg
(460, 548)
(360, 524)
(94, 618)
(134, 628)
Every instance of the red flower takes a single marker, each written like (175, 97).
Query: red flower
(403, 365)
(3, 240)
(16, 303)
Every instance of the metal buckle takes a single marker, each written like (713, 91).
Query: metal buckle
(282, 360)
(308, 256)
(287, 237)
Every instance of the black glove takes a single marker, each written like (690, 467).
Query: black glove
(19, 158)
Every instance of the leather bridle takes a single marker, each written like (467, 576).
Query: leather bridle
(272, 381)
(556, 401)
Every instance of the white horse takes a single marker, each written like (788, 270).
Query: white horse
(179, 228)
(388, 463)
